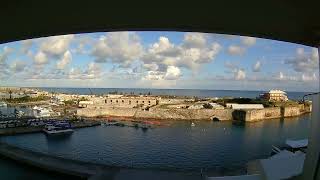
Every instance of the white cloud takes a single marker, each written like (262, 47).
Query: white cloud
(26, 45)
(195, 40)
(40, 58)
(190, 54)
(65, 60)
(18, 66)
(304, 62)
(75, 73)
(93, 71)
(248, 41)
(240, 74)
(5, 53)
(118, 47)
(256, 67)
(56, 46)
(236, 50)
(309, 77)
(173, 73)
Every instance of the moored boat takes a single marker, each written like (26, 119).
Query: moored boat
(58, 128)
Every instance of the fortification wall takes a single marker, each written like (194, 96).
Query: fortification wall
(270, 113)
(158, 113)
(185, 114)
(266, 113)
(109, 111)
(197, 114)
(293, 111)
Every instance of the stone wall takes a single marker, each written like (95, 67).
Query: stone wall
(196, 114)
(185, 114)
(257, 114)
(158, 113)
(292, 111)
(106, 111)
(270, 113)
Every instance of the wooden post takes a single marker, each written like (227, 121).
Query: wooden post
(311, 168)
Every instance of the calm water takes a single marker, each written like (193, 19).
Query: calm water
(208, 145)
(177, 92)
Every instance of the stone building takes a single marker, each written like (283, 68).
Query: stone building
(131, 101)
(274, 95)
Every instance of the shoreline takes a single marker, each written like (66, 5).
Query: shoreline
(27, 130)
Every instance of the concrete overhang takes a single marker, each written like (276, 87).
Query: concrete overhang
(285, 20)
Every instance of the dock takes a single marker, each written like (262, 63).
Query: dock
(26, 130)
(85, 170)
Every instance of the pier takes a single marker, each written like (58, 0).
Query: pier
(37, 129)
(85, 170)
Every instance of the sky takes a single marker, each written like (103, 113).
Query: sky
(168, 60)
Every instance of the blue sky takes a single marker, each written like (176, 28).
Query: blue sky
(159, 60)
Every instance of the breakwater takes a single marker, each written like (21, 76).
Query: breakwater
(196, 114)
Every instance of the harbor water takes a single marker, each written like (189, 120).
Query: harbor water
(210, 146)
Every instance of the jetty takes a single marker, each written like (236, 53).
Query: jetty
(86, 170)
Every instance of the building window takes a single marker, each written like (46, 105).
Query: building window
(111, 101)
(142, 101)
(137, 102)
(117, 101)
(122, 101)
(130, 102)
(149, 102)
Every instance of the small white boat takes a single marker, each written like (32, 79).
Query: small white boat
(55, 130)
(3, 104)
(193, 124)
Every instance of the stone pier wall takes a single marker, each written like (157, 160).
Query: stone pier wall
(186, 114)
(158, 113)
(271, 113)
(196, 114)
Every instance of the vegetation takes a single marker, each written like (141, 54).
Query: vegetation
(70, 102)
(26, 99)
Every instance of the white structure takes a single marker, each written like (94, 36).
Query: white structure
(196, 106)
(40, 112)
(275, 95)
(85, 103)
(216, 106)
(244, 106)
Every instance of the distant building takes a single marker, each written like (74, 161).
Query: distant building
(216, 106)
(131, 101)
(84, 104)
(196, 106)
(274, 95)
(244, 106)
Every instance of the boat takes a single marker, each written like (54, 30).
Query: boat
(109, 123)
(3, 104)
(292, 146)
(193, 124)
(58, 128)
